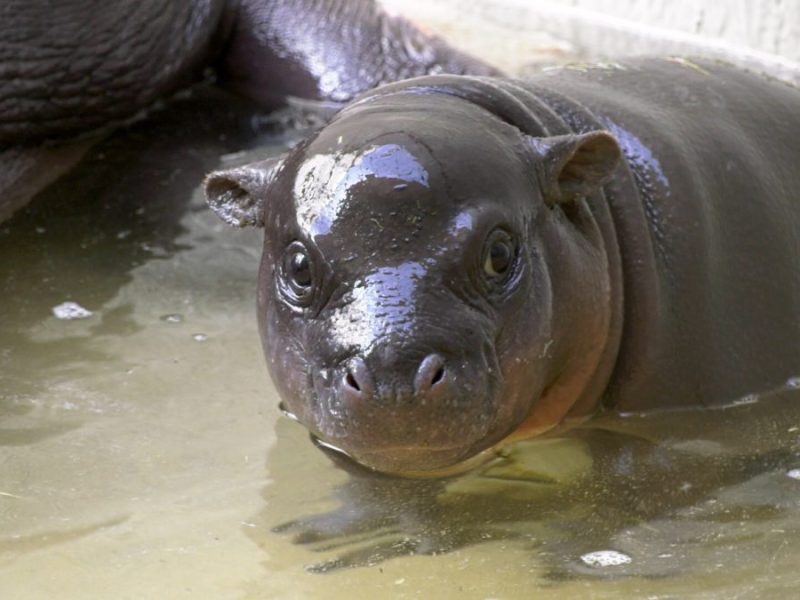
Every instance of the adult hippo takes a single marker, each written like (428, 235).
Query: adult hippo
(74, 67)
(454, 262)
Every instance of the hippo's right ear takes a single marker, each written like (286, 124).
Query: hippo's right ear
(238, 195)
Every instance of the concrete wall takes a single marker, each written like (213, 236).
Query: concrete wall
(771, 26)
(761, 34)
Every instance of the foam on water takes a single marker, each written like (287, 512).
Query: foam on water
(68, 311)
(605, 558)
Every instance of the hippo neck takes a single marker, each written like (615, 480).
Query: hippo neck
(559, 115)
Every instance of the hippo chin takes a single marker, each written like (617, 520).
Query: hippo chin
(454, 262)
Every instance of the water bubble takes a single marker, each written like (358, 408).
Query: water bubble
(173, 318)
(605, 558)
(68, 311)
(794, 474)
(793, 382)
(199, 337)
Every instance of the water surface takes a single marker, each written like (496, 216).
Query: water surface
(142, 454)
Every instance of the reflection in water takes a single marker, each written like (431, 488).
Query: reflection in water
(676, 492)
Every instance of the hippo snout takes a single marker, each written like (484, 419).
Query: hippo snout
(428, 382)
(413, 411)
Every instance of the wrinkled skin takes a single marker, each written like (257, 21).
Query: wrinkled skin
(454, 263)
(74, 68)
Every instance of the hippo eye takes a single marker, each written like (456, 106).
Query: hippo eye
(300, 270)
(499, 254)
(297, 275)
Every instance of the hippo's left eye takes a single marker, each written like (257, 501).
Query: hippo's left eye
(498, 255)
(297, 275)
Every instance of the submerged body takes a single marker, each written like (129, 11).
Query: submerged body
(454, 262)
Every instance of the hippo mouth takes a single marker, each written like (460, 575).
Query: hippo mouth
(442, 442)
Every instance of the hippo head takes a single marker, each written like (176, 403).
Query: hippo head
(406, 295)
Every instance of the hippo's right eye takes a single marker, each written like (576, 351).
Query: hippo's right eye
(297, 275)
(300, 270)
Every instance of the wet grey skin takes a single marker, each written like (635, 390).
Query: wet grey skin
(72, 69)
(456, 262)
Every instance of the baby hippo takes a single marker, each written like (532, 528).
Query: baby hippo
(456, 262)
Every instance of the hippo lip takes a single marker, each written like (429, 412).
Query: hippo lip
(448, 468)
(414, 461)
(381, 451)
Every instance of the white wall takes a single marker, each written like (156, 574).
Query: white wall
(765, 25)
(761, 34)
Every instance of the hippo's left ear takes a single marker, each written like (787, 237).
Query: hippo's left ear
(238, 195)
(575, 165)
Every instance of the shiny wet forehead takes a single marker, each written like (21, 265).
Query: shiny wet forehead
(422, 166)
(387, 175)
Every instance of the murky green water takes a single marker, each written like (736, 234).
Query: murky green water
(142, 454)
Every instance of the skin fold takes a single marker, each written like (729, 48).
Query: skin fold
(456, 262)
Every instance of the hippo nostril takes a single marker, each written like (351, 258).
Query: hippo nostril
(431, 372)
(357, 380)
(351, 381)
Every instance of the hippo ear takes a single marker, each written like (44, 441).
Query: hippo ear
(575, 165)
(238, 195)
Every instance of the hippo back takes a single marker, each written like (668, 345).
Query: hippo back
(707, 217)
